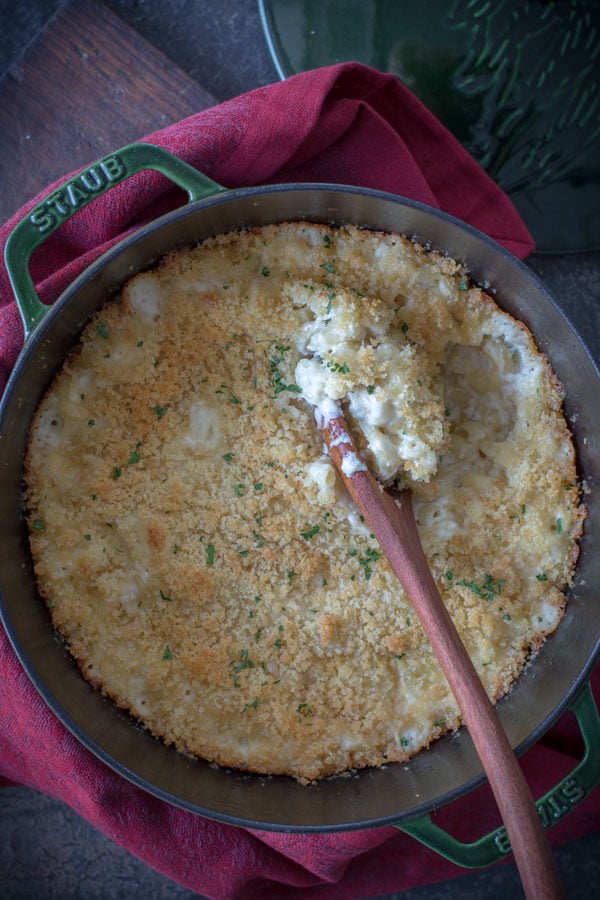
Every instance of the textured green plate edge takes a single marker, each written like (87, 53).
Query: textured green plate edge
(278, 45)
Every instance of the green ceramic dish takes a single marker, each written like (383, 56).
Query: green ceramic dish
(517, 83)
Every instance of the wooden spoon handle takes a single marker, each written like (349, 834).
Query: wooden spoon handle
(393, 524)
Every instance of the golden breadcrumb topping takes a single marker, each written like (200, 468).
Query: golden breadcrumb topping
(196, 547)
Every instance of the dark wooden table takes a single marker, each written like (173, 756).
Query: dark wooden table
(88, 85)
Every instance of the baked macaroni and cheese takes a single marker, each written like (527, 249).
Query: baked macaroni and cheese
(195, 546)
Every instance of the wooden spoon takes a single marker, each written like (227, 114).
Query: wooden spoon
(393, 524)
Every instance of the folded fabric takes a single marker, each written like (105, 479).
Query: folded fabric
(342, 124)
(346, 124)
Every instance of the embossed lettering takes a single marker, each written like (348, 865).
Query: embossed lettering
(113, 168)
(573, 791)
(76, 195)
(558, 806)
(546, 822)
(92, 180)
(42, 220)
(558, 803)
(59, 205)
(551, 809)
(501, 841)
(57, 202)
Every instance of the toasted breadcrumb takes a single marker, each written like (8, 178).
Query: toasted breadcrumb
(196, 548)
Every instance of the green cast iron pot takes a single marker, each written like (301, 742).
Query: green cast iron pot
(402, 795)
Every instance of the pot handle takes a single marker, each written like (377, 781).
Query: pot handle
(78, 192)
(552, 807)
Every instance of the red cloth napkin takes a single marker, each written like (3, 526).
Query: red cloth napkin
(344, 124)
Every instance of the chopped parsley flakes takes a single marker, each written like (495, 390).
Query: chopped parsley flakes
(135, 455)
(244, 663)
(365, 561)
(488, 589)
(277, 377)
